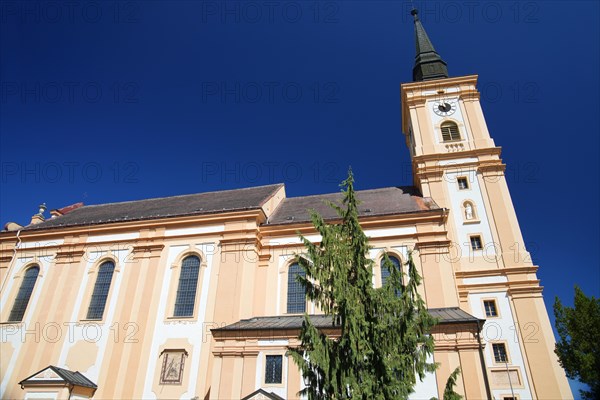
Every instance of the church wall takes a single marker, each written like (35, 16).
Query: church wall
(122, 351)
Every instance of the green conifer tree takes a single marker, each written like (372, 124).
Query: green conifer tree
(383, 344)
(577, 349)
(449, 393)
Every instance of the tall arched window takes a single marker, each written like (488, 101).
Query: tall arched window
(101, 288)
(296, 295)
(450, 131)
(186, 290)
(385, 272)
(20, 305)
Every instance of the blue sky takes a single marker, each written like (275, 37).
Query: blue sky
(114, 101)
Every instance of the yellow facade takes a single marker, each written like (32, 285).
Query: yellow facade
(468, 248)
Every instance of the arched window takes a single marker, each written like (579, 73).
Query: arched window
(450, 131)
(186, 290)
(18, 310)
(385, 272)
(296, 295)
(101, 288)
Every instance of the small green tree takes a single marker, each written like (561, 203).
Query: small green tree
(449, 393)
(383, 341)
(578, 349)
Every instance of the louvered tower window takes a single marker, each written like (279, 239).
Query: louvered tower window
(18, 310)
(101, 288)
(296, 296)
(186, 291)
(450, 131)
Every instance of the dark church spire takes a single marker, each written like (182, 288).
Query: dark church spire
(428, 63)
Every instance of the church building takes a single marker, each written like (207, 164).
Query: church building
(196, 297)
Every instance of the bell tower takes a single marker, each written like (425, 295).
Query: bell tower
(456, 162)
(454, 159)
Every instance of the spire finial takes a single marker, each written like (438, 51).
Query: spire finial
(428, 63)
(415, 13)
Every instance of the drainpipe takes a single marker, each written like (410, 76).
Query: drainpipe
(482, 358)
(512, 391)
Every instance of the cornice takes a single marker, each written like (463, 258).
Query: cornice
(434, 242)
(5, 259)
(370, 222)
(69, 255)
(227, 352)
(436, 172)
(234, 243)
(488, 151)
(440, 246)
(525, 292)
(114, 227)
(147, 250)
(486, 167)
(263, 260)
(524, 288)
(414, 93)
(497, 272)
(437, 83)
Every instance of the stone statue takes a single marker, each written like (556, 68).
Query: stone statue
(469, 211)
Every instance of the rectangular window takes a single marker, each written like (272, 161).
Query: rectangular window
(476, 243)
(490, 308)
(463, 183)
(273, 369)
(500, 355)
(172, 367)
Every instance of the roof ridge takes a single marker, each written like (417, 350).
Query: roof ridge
(273, 192)
(357, 191)
(180, 195)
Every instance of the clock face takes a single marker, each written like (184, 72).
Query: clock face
(444, 107)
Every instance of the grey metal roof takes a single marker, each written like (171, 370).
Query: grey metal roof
(191, 204)
(385, 201)
(375, 202)
(450, 315)
(73, 378)
(277, 323)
